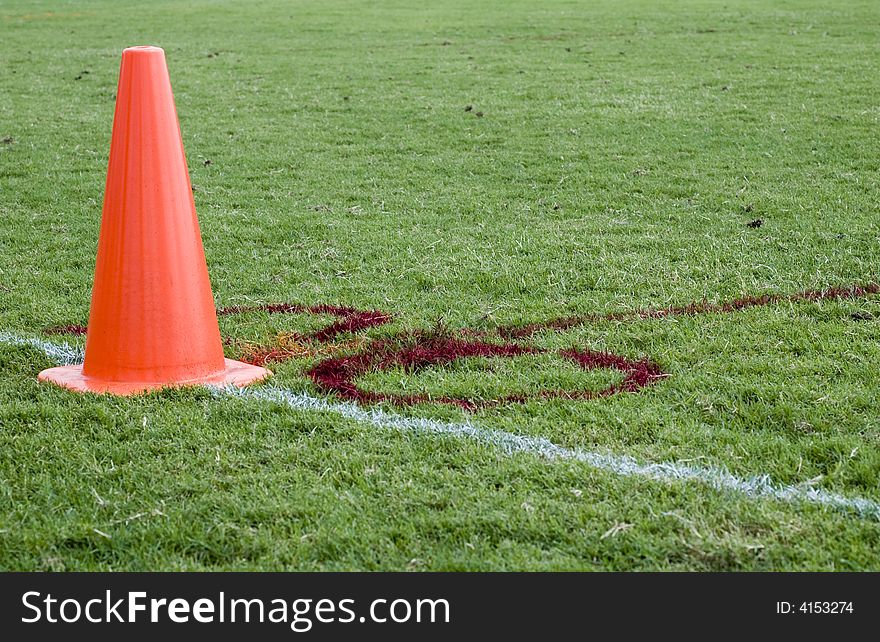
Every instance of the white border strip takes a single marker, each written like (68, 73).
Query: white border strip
(757, 487)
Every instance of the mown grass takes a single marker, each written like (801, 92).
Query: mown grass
(622, 149)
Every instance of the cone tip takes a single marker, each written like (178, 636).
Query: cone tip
(141, 50)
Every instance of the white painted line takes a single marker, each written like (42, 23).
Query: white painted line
(757, 487)
(63, 354)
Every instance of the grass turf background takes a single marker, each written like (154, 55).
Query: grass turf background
(622, 149)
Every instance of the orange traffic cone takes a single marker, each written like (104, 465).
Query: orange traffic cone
(153, 322)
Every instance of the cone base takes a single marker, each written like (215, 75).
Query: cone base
(235, 373)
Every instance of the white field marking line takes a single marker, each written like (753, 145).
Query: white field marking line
(756, 487)
(63, 354)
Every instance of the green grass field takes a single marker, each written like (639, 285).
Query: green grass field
(611, 160)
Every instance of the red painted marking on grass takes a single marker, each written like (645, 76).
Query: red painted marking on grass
(639, 373)
(692, 309)
(70, 328)
(338, 375)
(350, 319)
